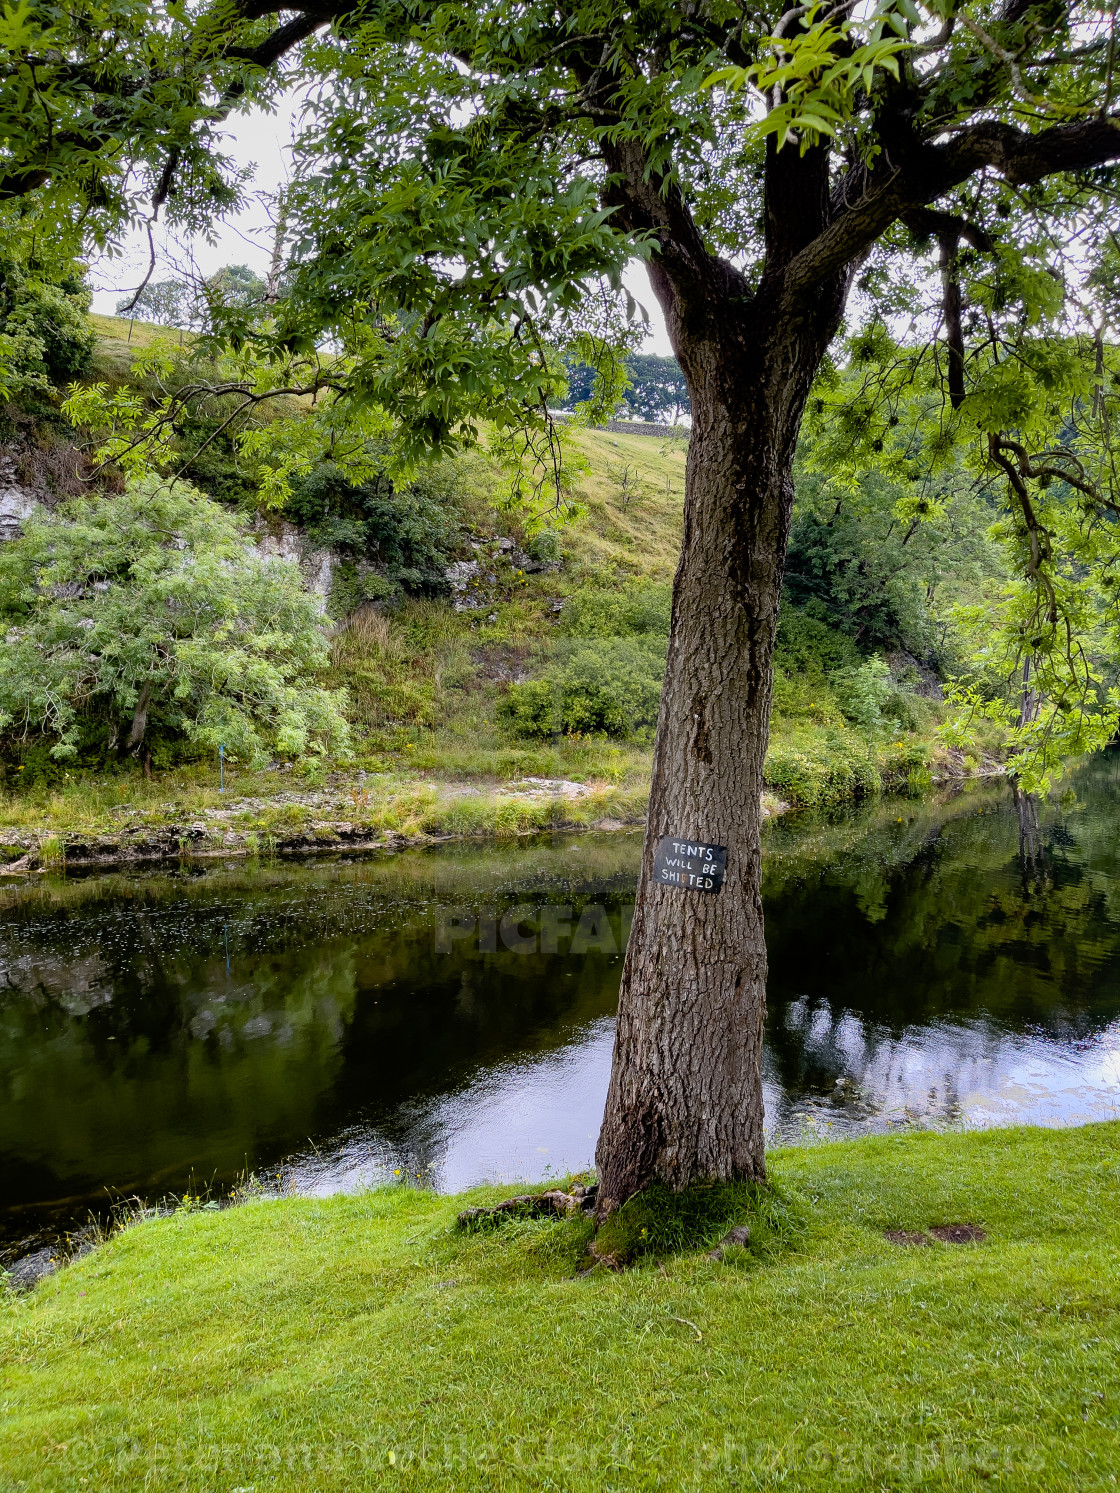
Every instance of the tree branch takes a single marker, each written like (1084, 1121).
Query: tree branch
(931, 222)
(925, 172)
(951, 302)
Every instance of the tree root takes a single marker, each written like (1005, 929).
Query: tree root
(553, 1204)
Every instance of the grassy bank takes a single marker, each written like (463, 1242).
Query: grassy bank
(363, 1342)
(523, 672)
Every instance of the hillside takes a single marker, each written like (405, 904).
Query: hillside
(521, 691)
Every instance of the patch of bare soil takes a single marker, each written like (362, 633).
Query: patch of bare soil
(959, 1233)
(948, 1233)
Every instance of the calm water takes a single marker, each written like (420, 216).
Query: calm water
(450, 1012)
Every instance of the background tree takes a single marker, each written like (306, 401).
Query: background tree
(150, 615)
(658, 389)
(165, 302)
(465, 175)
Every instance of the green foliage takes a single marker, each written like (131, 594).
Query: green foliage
(605, 677)
(408, 535)
(544, 545)
(817, 74)
(656, 388)
(599, 686)
(459, 186)
(197, 304)
(641, 608)
(883, 558)
(45, 339)
(836, 571)
(806, 645)
(1032, 636)
(152, 611)
(817, 771)
(164, 302)
(870, 699)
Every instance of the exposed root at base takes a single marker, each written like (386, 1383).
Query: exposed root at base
(553, 1204)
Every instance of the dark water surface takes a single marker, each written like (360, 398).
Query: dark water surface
(450, 1012)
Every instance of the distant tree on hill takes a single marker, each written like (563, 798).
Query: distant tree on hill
(236, 285)
(657, 389)
(181, 303)
(165, 302)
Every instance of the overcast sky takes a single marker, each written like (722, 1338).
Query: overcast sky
(261, 141)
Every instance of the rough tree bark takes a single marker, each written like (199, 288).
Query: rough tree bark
(685, 1099)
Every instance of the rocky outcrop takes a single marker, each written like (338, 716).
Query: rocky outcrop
(17, 502)
(277, 539)
(479, 582)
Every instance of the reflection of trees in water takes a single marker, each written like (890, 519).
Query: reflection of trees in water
(1032, 851)
(175, 1034)
(866, 1069)
(906, 942)
(1007, 919)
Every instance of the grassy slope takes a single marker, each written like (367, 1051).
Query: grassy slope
(360, 1343)
(426, 683)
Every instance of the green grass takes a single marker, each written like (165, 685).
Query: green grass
(364, 1342)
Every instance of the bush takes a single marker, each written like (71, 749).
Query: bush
(150, 617)
(601, 687)
(544, 546)
(45, 338)
(806, 645)
(821, 771)
(634, 610)
(409, 536)
(871, 699)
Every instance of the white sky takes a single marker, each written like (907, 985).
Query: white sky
(261, 141)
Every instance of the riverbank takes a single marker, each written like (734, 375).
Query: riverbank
(127, 820)
(365, 1341)
(361, 813)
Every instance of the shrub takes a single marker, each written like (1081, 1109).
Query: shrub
(806, 645)
(640, 608)
(408, 535)
(45, 339)
(871, 699)
(608, 686)
(150, 615)
(544, 546)
(821, 771)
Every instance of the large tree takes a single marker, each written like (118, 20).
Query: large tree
(468, 170)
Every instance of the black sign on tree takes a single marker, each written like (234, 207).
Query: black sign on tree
(690, 865)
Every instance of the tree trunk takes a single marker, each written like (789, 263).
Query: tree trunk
(685, 1099)
(139, 718)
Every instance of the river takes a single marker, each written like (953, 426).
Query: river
(447, 1015)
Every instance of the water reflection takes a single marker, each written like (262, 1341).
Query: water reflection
(450, 1014)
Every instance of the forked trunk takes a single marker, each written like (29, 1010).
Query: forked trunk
(685, 1100)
